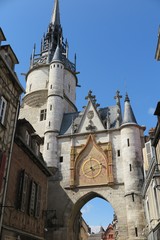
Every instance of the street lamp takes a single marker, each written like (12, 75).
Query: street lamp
(156, 176)
(51, 219)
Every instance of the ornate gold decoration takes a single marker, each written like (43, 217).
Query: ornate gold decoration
(91, 164)
(91, 167)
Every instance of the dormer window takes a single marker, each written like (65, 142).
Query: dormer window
(9, 60)
(3, 107)
(27, 138)
(37, 149)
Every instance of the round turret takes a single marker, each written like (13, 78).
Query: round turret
(131, 146)
(55, 109)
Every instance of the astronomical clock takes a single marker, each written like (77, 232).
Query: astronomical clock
(91, 164)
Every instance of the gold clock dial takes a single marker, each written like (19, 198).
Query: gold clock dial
(91, 168)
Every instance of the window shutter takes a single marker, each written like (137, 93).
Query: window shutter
(24, 192)
(32, 198)
(20, 187)
(38, 201)
(2, 168)
(150, 151)
(0, 106)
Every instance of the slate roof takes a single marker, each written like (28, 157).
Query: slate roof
(69, 118)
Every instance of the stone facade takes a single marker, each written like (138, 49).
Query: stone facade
(10, 91)
(25, 203)
(93, 153)
(84, 230)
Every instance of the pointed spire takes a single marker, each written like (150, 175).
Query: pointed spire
(57, 55)
(128, 112)
(55, 20)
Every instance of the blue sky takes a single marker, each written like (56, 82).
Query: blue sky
(115, 42)
(97, 212)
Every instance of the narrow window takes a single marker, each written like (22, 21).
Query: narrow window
(43, 113)
(118, 153)
(58, 65)
(51, 86)
(47, 146)
(130, 167)
(69, 88)
(136, 231)
(54, 65)
(128, 142)
(3, 107)
(133, 197)
(50, 107)
(49, 124)
(61, 159)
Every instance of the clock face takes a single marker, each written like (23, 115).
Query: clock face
(91, 167)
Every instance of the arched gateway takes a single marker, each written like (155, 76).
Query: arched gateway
(95, 152)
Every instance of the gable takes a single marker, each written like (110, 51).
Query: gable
(91, 120)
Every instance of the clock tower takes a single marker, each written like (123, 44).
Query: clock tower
(96, 152)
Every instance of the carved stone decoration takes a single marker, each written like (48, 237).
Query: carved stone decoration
(90, 114)
(91, 164)
(91, 126)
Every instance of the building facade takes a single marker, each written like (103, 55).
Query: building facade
(10, 91)
(151, 189)
(109, 233)
(98, 235)
(84, 230)
(26, 197)
(96, 152)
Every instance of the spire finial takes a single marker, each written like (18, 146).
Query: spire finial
(55, 20)
(127, 98)
(92, 98)
(118, 97)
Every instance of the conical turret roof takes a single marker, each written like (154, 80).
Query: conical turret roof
(128, 112)
(57, 55)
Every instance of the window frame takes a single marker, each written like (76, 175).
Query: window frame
(3, 109)
(43, 114)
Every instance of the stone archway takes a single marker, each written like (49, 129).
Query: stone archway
(72, 212)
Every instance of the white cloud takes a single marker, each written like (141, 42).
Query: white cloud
(151, 110)
(86, 209)
(95, 229)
